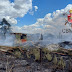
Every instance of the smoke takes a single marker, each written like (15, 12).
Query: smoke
(7, 40)
(49, 41)
(10, 11)
(50, 26)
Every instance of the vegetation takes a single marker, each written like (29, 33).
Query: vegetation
(36, 53)
(28, 54)
(52, 59)
(55, 60)
(49, 57)
(45, 50)
(59, 50)
(61, 63)
(17, 53)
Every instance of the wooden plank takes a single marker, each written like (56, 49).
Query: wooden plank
(58, 53)
(6, 48)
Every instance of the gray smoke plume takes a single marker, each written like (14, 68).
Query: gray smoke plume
(7, 40)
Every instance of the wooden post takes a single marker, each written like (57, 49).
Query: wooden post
(40, 55)
(40, 60)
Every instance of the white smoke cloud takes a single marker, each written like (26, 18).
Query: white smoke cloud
(52, 23)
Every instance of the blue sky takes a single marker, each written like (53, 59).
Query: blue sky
(44, 7)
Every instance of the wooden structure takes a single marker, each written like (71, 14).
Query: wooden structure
(20, 37)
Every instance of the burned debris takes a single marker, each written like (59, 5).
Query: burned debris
(54, 57)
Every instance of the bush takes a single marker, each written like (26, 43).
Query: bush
(17, 54)
(28, 54)
(45, 50)
(36, 53)
(59, 50)
(37, 56)
(55, 60)
(49, 57)
(61, 63)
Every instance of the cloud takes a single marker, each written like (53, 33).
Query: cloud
(36, 8)
(11, 11)
(51, 23)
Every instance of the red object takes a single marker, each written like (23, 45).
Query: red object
(70, 18)
(23, 40)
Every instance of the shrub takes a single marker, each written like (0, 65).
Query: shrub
(45, 50)
(49, 57)
(59, 50)
(61, 63)
(55, 60)
(36, 53)
(17, 54)
(28, 54)
(37, 56)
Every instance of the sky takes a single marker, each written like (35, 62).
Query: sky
(36, 16)
(44, 7)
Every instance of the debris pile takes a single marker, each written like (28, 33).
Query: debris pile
(35, 59)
